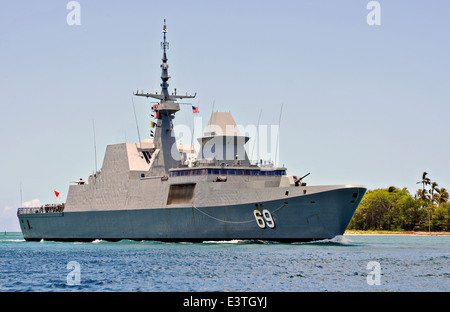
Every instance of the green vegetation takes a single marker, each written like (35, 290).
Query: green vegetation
(394, 209)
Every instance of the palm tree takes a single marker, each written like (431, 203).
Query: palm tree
(433, 195)
(442, 196)
(422, 195)
(426, 181)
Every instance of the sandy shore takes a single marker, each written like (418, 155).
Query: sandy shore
(412, 233)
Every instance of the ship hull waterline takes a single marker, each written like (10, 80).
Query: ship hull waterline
(319, 216)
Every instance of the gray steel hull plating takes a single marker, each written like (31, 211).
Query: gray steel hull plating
(303, 218)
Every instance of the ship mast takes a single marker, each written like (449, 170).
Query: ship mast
(164, 139)
(165, 96)
(164, 73)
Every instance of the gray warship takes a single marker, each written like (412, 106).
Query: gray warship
(148, 191)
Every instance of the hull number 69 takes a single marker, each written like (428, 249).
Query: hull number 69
(264, 218)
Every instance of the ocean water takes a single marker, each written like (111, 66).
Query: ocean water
(356, 263)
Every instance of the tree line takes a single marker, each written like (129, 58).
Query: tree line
(395, 209)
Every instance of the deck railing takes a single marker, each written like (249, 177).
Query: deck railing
(43, 209)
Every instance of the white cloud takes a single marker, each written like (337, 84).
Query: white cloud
(32, 203)
(8, 215)
(8, 219)
(6, 211)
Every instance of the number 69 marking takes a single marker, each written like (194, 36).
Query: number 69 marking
(264, 219)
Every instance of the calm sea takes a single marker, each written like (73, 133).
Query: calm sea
(356, 263)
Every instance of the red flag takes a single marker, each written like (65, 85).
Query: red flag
(195, 109)
(57, 195)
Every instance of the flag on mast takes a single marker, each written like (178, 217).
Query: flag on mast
(155, 113)
(195, 109)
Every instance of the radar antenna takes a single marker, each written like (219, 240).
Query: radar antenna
(164, 96)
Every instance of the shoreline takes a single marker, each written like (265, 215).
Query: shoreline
(395, 233)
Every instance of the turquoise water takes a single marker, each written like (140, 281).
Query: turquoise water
(405, 263)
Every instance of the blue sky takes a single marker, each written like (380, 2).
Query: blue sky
(361, 104)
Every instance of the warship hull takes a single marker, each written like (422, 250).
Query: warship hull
(322, 215)
(156, 190)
